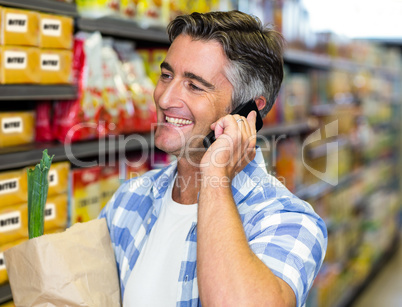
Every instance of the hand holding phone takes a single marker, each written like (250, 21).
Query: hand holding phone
(243, 110)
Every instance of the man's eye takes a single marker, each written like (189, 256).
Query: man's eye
(165, 76)
(195, 88)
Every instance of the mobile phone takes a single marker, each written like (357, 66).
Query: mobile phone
(243, 110)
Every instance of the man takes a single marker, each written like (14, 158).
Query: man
(213, 227)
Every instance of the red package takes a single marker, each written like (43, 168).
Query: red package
(43, 124)
(78, 119)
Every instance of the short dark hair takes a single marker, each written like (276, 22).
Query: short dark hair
(254, 51)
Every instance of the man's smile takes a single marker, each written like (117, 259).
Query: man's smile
(178, 122)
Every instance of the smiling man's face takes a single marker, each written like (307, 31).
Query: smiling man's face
(191, 94)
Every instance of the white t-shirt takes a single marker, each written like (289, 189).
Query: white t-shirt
(154, 279)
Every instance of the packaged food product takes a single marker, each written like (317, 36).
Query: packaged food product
(158, 56)
(85, 200)
(153, 12)
(128, 8)
(141, 88)
(8, 304)
(98, 8)
(114, 92)
(288, 168)
(58, 178)
(296, 97)
(19, 65)
(3, 271)
(55, 66)
(56, 212)
(13, 223)
(109, 183)
(56, 31)
(16, 128)
(78, 119)
(43, 123)
(272, 117)
(19, 27)
(13, 188)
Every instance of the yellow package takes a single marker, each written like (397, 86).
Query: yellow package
(128, 8)
(158, 56)
(146, 57)
(19, 27)
(13, 188)
(55, 66)
(13, 223)
(16, 128)
(58, 178)
(19, 65)
(109, 183)
(54, 230)
(3, 271)
(55, 31)
(85, 201)
(8, 304)
(56, 212)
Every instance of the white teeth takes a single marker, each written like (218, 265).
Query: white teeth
(178, 121)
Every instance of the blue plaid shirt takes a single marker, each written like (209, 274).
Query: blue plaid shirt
(282, 230)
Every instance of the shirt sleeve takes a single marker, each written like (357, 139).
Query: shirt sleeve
(292, 242)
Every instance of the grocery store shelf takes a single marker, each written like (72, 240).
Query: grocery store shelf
(350, 296)
(48, 6)
(322, 149)
(323, 109)
(321, 188)
(289, 129)
(27, 155)
(122, 28)
(5, 293)
(314, 60)
(37, 92)
(307, 58)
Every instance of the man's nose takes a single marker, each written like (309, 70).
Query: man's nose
(171, 96)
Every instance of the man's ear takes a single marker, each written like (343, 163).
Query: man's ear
(261, 102)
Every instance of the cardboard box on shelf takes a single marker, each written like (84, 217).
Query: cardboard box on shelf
(19, 27)
(13, 188)
(109, 183)
(58, 178)
(13, 223)
(16, 128)
(56, 31)
(55, 66)
(56, 212)
(85, 197)
(19, 65)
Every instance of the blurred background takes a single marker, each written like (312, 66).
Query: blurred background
(76, 77)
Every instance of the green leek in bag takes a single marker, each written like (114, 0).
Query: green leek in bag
(37, 194)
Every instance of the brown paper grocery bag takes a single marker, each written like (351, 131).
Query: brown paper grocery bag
(73, 268)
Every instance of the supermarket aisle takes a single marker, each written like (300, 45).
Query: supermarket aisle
(385, 290)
